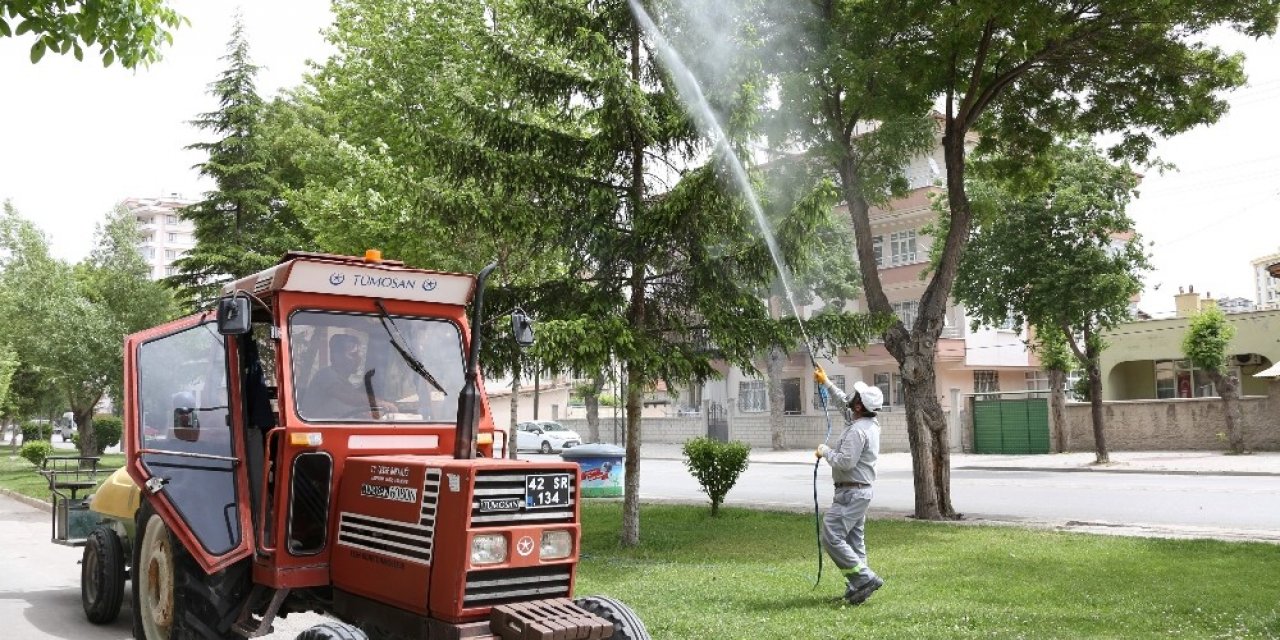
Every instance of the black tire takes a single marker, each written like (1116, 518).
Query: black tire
(173, 598)
(626, 624)
(546, 447)
(332, 630)
(102, 576)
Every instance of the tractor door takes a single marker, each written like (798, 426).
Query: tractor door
(182, 449)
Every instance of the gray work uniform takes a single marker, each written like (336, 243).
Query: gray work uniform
(853, 461)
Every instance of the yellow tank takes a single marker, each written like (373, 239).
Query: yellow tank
(118, 497)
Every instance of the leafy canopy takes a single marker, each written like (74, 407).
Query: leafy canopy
(1206, 341)
(132, 32)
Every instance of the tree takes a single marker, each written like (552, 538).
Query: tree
(1056, 359)
(1019, 76)
(1205, 345)
(132, 32)
(8, 364)
(1061, 256)
(243, 226)
(75, 327)
(546, 135)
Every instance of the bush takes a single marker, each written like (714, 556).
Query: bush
(35, 452)
(107, 429)
(32, 431)
(716, 465)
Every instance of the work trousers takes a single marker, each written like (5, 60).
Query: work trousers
(842, 528)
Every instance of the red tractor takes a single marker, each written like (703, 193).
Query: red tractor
(322, 442)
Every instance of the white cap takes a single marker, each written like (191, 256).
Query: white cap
(872, 397)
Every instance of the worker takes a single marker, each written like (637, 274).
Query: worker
(853, 469)
(333, 395)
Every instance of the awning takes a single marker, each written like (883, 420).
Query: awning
(1270, 372)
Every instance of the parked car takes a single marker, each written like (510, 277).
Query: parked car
(546, 436)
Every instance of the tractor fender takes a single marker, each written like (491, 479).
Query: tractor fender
(118, 497)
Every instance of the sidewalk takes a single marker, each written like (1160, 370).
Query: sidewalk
(1265, 463)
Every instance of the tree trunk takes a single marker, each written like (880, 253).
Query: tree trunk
(773, 369)
(1058, 406)
(1095, 406)
(1229, 390)
(513, 433)
(84, 426)
(631, 473)
(930, 454)
(592, 401)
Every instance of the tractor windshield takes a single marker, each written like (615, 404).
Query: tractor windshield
(346, 368)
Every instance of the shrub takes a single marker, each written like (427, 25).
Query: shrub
(107, 429)
(716, 465)
(36, 451)
(32, 431)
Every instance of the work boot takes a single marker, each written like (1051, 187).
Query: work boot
(861, 586)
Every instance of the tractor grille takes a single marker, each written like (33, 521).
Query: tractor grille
(388, 537)
(506, 484)
(500, 586)
(407, 541)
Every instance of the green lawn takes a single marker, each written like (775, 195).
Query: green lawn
(748, 574)
(16, 474)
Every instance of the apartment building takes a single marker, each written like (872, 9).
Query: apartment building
(986, 360)
(1266, 287)
(165, 235)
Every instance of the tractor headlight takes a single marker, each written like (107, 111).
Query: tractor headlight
(488, 549)
(556, 544)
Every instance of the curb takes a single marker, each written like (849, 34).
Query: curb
(1162, 472)
(27, 500)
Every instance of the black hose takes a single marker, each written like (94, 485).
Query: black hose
(817, 516)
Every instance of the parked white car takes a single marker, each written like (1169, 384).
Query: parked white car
(546, 436)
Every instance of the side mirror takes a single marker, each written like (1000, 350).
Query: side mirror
(233, 316)
(522, 328)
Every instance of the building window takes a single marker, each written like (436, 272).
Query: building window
(791, 397)
(877, 247)
(149, 253)
(1037, 380)
(170, 254)
(838, 381)
(986, 381)
(885, 382)
(902, 247)
(173, 237)
(1009, 324)
(907, 312)
(1178, 379)
(170, 270)
(171, 220)
(752, 396)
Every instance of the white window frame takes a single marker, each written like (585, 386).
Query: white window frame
(753, 396)
(986, 381)
(1037, 380)
(902, 247)
(907, 311)
(838, 381)
(877, 247)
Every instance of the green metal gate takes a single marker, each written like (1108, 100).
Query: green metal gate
(1010, 425)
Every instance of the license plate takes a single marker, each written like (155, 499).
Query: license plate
(546, 490)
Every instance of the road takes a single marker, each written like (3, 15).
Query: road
(1232, 507)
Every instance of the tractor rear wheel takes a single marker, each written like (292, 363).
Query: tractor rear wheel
(332, 630)
(173, 598)
(626, 624)
(102, 576)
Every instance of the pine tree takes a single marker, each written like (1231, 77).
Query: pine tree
(231, 219)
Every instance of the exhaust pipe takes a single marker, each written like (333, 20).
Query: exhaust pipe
(464, 443)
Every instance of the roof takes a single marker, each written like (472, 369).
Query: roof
(352, 276)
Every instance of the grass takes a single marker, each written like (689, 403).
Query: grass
(18, 475)
(748, 574)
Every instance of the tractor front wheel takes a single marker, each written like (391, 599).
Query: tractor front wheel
(332, 630)
(102, 576)
(626, 624)
(173, 598)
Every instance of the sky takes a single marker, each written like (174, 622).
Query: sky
(76, 138)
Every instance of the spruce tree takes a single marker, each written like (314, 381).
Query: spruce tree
(232, 218)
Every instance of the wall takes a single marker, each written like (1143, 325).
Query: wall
(802, 432)
(1184, 424)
